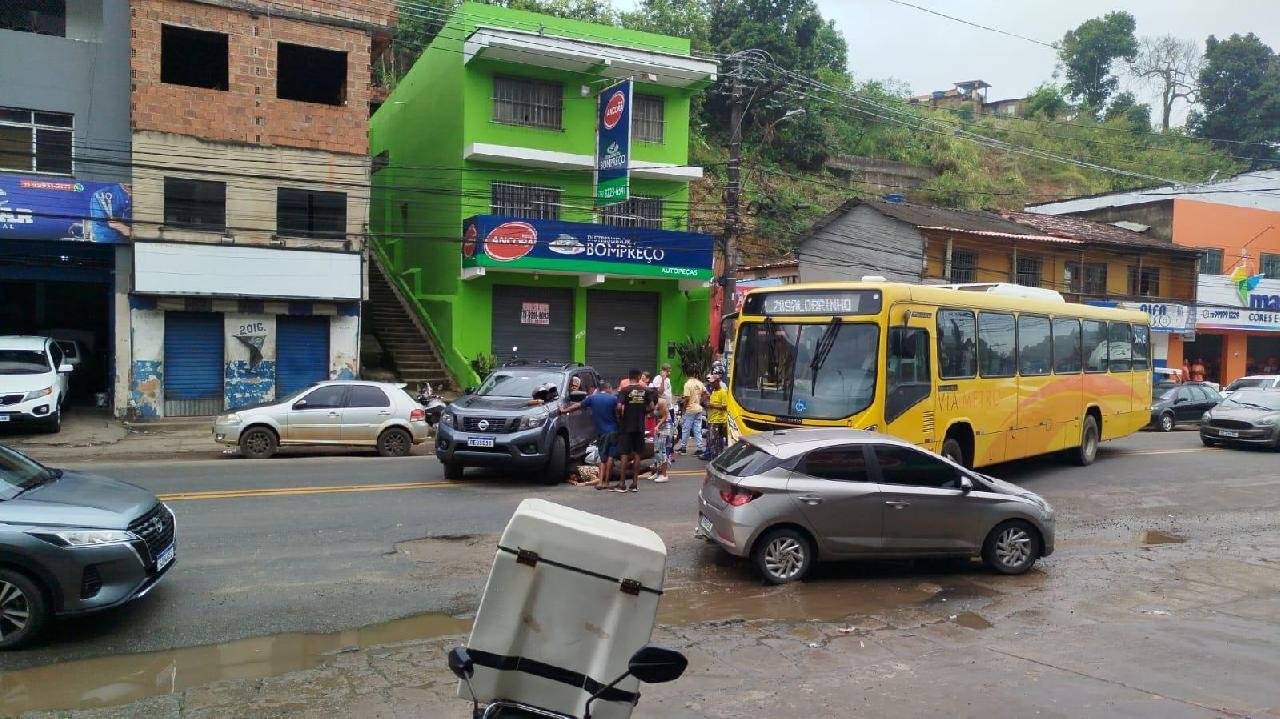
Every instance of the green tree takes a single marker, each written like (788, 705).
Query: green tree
(1240, 96)
(597, 11)
(1125, 106)
(1087, 53)
(1047, 101)
(682, 18)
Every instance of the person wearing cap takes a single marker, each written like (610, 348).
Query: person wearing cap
(718, 416)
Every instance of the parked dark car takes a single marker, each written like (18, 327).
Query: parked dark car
(1247, 417)
(72, 543)
(1182, 403)
(502, 424)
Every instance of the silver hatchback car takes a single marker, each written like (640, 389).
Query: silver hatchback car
(792, 497)
(344, 412)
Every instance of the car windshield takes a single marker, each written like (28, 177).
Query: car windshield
(18, 472)
(517, 382)
(815, 371)
(1254, 399)
(23, 362)
(1246, 383)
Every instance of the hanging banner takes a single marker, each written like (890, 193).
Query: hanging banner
(64, 208)
(613, 144)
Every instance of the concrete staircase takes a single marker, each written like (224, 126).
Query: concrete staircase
(400, 331)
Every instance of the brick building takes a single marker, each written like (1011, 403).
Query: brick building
(250, 198)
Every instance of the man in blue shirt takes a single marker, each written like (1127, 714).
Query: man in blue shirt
(603, 404)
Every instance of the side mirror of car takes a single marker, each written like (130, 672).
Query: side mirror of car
(300, 404)
(966, 485)
(469, 390)
(577, 396)
(64, 368)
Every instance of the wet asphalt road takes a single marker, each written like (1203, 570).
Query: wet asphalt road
(297, 558)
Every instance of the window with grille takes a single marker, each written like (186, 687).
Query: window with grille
(1028, 272)
(1270, 266)
(311, 213)
(533, 103)
(964, 266)
(517, 199)
(1211, 262)
(31, 140)
(1087, 279)
(1144, 283)
(639, 211)
(195, 204)
(647, 118)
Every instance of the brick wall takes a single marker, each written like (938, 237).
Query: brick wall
(249, 111)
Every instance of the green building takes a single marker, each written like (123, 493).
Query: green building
(483, 210)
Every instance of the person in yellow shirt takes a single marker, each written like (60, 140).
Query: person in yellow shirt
(718, 416)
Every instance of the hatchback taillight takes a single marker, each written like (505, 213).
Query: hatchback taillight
(736, 496)
(418, 415)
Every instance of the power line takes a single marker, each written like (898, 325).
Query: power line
(970, 23)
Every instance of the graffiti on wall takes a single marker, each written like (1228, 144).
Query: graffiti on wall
(251, 380)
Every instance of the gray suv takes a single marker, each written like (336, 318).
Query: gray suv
(512, 422)
(72, 543)
(789, 498)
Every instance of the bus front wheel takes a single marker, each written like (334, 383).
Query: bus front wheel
(952, 450)
(1088, 449)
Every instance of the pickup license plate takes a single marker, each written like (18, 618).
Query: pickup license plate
(1228, 433)
(705, 523)
(165, 558)
(4, 418)
(479, 441)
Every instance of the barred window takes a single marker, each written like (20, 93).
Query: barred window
(964, 266)
(1028, 272)
(639, 211)
(1270, 266)
(1087, 279)
(31, 140)
(647, 118)
(1211, 262)
(1144, 283)
(533, 103)
(518, 199)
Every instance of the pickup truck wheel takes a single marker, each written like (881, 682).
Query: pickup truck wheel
(258, 443)
(453, 471)
(557, 462)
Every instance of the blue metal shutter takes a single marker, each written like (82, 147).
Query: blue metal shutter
(193, 364)
(302, 352)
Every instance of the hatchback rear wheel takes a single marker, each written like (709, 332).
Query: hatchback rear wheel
(23, 610)
(394, 442)
(783, 555)
(1012, 547)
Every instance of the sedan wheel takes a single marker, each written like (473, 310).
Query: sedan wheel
(22, 609)
(1011, 548)
(783, 556)
(1166, 422)
(258, 443)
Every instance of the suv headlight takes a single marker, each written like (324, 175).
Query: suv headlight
(232, 418)
(531, 421)
(447, 419)
(37, 394)
(85, 537)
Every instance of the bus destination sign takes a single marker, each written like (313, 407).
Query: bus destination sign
(817, 302)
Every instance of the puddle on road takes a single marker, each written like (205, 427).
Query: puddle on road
(972, 620)
(1155, 536)
(125, 678)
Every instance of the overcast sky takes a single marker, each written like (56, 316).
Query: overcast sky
(926, 52)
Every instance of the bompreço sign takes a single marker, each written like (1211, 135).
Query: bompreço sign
(613, 144)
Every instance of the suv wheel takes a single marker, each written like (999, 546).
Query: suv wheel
(53, 425)
(258, 443)
(23, 610)
(394, 442)
(557, 462)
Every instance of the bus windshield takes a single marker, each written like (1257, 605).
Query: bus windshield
(813, 371)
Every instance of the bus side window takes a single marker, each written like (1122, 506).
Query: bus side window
(996, 344)
(1066, 346)
(1120, 342)
(957, 344)
(1095, 346)
(1141, 348)
(1035, 346)
(908, 370)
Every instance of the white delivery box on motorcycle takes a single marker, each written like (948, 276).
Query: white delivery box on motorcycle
(570, 597)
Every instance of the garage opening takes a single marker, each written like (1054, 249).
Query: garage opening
(302, 353)
(1208, 350)
(622, 332)
(1263, 355)
(532, 323)
(193, 364)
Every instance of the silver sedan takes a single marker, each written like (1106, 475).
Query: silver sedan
(353, 412)
(789, 498)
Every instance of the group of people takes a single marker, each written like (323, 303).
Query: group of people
(646, 403)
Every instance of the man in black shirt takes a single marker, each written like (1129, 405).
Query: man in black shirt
(635, 403)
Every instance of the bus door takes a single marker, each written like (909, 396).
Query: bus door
(1035, 432)
(908, 392)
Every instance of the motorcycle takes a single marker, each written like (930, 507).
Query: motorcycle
(432, 402)
(650, 664)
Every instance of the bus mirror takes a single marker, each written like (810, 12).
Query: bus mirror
(906, 317)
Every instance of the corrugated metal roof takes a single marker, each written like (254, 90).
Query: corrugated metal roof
(1259, 190)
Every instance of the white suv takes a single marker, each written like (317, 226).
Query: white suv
(33, 381)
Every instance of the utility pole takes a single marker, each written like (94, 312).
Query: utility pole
(732, 194)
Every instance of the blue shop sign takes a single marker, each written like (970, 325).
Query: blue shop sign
(55, 208)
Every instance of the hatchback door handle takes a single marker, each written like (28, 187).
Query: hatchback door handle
(384, 413)
(810, 499)
(897, 503)
(335, 414)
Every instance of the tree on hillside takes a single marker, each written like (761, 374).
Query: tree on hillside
(598, 11)
(1087, 53)
(1047, 101)
(1240, 96)
(682, 18)
(1124, 105)
(1170, 66)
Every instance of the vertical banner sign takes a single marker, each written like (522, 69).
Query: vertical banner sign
(613, 144)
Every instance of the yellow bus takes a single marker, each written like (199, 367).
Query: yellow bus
(980, 373)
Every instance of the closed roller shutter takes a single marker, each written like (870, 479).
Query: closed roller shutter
(622, 332)
(532, 323)
(193, 364)
(302, 353)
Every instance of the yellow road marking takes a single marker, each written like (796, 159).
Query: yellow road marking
(295, 491)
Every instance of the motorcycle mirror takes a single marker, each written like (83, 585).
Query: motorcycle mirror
(657, 665)
(460, 663)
